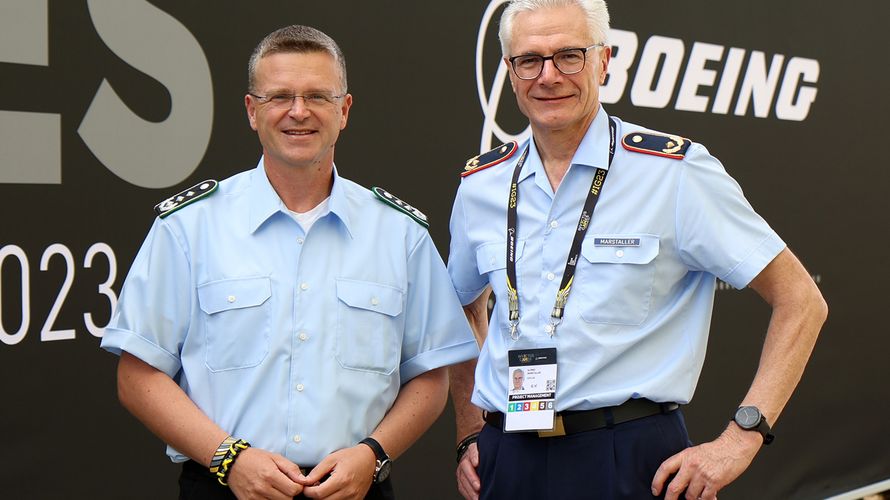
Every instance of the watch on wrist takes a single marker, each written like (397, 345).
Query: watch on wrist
(749, 418)
(383, 465)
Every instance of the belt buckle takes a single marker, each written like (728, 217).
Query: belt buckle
(558, 429)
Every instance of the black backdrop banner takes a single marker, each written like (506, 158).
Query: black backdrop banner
(109, 106)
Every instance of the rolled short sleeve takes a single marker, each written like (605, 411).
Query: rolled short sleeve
(436, 330)
(717, 229)
(152, 316)
(468, 282)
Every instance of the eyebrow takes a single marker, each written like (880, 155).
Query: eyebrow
(531, 53)
(292, 92)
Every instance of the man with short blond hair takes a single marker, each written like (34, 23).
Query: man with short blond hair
(286, 331)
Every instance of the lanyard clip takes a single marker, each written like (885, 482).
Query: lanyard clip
(513, 303)
(555, 320)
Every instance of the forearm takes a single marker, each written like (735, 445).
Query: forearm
(162, 406)
(418, 405)
(468, 417)
(798, 314)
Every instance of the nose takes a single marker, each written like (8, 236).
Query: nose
(549, 73)
(298, 108)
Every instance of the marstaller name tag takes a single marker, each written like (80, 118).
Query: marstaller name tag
(616, 242)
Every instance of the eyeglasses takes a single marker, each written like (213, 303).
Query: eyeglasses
(567, 61)
(315, 100)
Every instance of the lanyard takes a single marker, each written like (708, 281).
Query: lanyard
(562, 296)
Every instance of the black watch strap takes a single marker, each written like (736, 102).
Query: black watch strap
(765, 431)
(384, 464)
(374, 445)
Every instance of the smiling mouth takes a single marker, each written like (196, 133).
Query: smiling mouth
(299, 132)
(553, 99)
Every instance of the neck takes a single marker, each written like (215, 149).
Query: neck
(301, 188)
(557, 148)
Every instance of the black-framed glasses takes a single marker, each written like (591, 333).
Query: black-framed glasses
(315, 100)
(567, 61)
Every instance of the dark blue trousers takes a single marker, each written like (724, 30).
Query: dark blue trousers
(609, 463)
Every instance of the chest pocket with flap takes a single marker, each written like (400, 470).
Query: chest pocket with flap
(369, 325)
(237, 315)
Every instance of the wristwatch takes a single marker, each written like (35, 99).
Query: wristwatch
(384, 464)
(750, 419)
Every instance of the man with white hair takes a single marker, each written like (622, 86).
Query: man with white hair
(602, 242)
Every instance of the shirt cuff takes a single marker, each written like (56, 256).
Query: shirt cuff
(430, 360)
(115, 341)
(755, 262)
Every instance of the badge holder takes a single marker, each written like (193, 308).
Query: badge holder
(531, 391)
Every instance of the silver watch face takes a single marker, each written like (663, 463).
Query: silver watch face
(747, 417)
(383, 470)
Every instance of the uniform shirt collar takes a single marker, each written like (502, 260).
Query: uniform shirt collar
(340, 202)
(265, 202)
(592, 152)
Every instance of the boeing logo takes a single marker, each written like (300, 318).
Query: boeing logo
(745, 82)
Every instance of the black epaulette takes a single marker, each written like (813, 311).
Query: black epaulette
(491, 158)
(187, 197)
(401, 206)
(668, 146)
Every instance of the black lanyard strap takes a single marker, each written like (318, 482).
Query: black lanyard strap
(568, 276)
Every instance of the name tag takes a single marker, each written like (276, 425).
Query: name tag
(616, 242)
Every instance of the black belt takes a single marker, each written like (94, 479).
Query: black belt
(571, 422)
(196, 468)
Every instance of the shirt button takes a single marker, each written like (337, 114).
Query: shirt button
(298, 438)
(551, 276)
(548, 328)
(300, 387)
(303, 336)
(619, 253)
(554, 224)
(299, 241)
(230, 298)
(304, 286)
(375, 301)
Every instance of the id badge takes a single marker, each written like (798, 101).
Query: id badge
(531, 390)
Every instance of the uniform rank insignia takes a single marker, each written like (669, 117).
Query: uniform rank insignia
(491, 158)
(401, 206)
(190, 195)
(669, 146)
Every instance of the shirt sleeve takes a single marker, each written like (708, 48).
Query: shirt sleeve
(468, 282)
(717, 229)
(152, 315)
(436, 330)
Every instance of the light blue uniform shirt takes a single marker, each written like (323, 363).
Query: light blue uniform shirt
(298, 343)
(637, 319)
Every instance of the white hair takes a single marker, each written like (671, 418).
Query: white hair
(596, 11)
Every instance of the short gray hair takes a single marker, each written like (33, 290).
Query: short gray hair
(298, 39)
(596, 11)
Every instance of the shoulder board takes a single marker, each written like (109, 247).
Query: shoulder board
(668, 146)
(187, 197)
(489, 159)
(401, 206)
